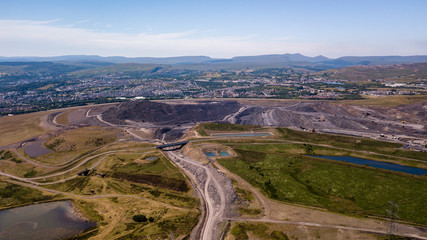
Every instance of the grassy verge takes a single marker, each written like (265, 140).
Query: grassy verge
(338, 187)
(204, 128)
(13, 195)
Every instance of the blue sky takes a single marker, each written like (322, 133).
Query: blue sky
(214, 28)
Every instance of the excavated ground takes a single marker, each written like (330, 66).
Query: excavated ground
(331, 117)
(167, 114)
(173, 118)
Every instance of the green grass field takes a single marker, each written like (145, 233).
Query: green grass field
(338, 187)
(13, 195)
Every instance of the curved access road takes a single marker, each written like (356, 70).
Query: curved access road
(31, 161)
(31, 180)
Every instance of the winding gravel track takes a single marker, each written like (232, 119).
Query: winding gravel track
(30, 180)
(214, 213)
(210, 188)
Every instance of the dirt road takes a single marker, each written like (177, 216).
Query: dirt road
(211, 190)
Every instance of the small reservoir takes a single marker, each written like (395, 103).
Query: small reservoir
(36, 149)
(210, 154)
(52, 220)
(242, 135)
(151, 158)
(223, 153)
(376, 164)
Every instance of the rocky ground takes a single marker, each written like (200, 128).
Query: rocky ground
(168, 114)
(171, 120)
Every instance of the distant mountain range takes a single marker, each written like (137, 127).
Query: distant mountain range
(296, 61)
(265, 59)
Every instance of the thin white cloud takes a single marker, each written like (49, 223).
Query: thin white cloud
(78, 23)
(37, 38)
(43, 22)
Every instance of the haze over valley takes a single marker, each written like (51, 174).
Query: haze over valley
(213, 120)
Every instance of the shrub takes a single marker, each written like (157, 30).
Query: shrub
(139, 218)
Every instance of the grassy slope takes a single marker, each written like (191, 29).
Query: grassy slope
(20, 127)
(63, 118)
(213, 127)
(387, 100)
(116, 212)
(227, 127)
(73, 143)
(13, 195)
(335, 186)
(399, 72)
(159, 173)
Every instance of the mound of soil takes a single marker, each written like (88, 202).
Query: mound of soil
(166, 114)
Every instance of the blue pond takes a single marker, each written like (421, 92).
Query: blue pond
(210, 154)
(223, 153)
(151, 159)
(377, 164)
(242, 135)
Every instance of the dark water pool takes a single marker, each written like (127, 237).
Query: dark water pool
(53, 220)
(377, 164)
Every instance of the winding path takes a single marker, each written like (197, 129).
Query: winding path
(214, 212)
(95, 196)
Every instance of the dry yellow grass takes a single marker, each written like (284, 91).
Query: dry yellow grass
(63, 118)
(20, 127)
(75, 142)
(387, 100)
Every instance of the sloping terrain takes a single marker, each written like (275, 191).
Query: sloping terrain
(398, 72)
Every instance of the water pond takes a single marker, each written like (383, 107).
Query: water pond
(223, 153)
(36, 149)
(377, 164)
(52, 220)
(210, 154)
(151, 158)
(242, 135)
